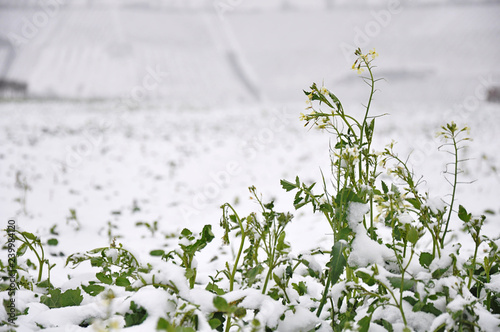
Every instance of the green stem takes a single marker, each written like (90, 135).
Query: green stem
(398, 305)
(271, 267)
(372, 85)
(228, 324)
(40, 259)
(240, 250)
(455, 177)
(471, 271)
(403, 278)
(325, 293)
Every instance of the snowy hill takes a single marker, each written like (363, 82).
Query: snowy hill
(96, 50)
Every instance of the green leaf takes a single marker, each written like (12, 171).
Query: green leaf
(415, 202)
(396, 282)
(22, 249)
(54, 299)
(189, 273)
(211, 287)
(364, 324)
(186, 232)
(104, 278)
(221, 304)
(71, 297)
(240, 312)
(253, 273)
(269, 206)
(344, 233)
(337, 262)
(214, 323)
(439, 272)
(340, 144)
(44, 284)
(326, 208)
(412, 235)
(93, 289)
(97, 261)
(29, 236)
(431, 309)
(463, 215)
(277, 280)
(287, 185)
(411, 300)
(282, 245)
(162, 324)
(52, 242)
(158, 252)
(301, 288)
(137, 316)
(346, 195)
(385, 324)
(425, 259)
(206, 235)
(385, 188)
(122, 281)
(367, 278)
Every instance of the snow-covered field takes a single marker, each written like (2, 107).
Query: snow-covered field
(77, 156)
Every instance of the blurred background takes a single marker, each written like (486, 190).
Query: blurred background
(222, 52)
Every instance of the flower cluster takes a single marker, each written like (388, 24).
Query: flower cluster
(363, 59)
(349, 157)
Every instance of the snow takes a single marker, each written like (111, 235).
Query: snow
(355, 214)
(111, 253)
(436, 204)
(313, 263)
(442, 319)
(366, 251)
(494, 283)
(487, 321)
(405, 218)
(300, 320)
(67, 316)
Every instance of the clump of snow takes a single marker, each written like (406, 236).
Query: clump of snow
(487, 321)
(436, 204)
(441, 319)
(270, 310)
(336, 291)
(366, 251)
(405, 218)
(112, 253)
(441, 263)
(313, 264)
(494, 284)
(457, 304)
(300, 319)
(68, 315)
(355, 213)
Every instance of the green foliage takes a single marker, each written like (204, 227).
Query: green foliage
(33, 244)
(117, 265)
(190, 245)
(151, 227)
(56, 299)
(92, 289)
(137, 315)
